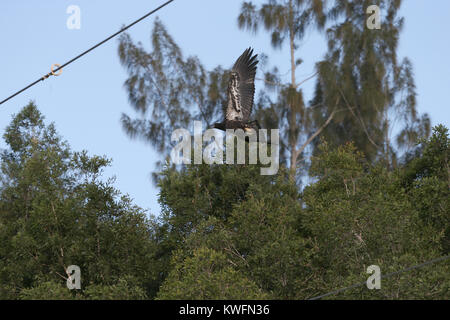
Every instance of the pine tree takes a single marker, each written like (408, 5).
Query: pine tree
(235, 234)
(287, 21)
(167, 90)
(362, 79)
(56, 210)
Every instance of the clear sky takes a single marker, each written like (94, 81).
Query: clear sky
(86, 101)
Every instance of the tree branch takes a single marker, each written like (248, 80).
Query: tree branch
(359, 119)
(303, 81)
(319, 131)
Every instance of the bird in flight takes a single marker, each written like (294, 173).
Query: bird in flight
(241, 92)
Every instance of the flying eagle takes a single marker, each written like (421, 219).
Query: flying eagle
(241, 92)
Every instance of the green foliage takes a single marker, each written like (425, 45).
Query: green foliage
(286, 22)
(362, 80)
(282, 19)
(125, 289)
(47, 291)
(359, 218)
(226, 232)
(55, 212)
(229, 220)
(207, 275)
(362, 89)
(168, 90)
(428, 180)
(253, 219)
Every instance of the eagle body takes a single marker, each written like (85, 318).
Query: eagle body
(233, 109)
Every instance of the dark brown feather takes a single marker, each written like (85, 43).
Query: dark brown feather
(246, 66)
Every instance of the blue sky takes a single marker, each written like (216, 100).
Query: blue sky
(86, 101)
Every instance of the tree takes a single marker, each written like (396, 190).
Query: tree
(125, 289)
(207, 275)
(56, 211)
(167, 90)
(361, 214)
(287, 21)
(249, 221)
(362, 78)
(427, 178)
(226, 232)
(230, 229)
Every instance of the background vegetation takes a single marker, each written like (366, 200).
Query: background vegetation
(379, 192)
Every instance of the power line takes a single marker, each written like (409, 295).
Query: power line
(382, 276)
(53, 72)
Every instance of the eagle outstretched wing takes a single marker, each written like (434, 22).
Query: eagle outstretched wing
(241, 88)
